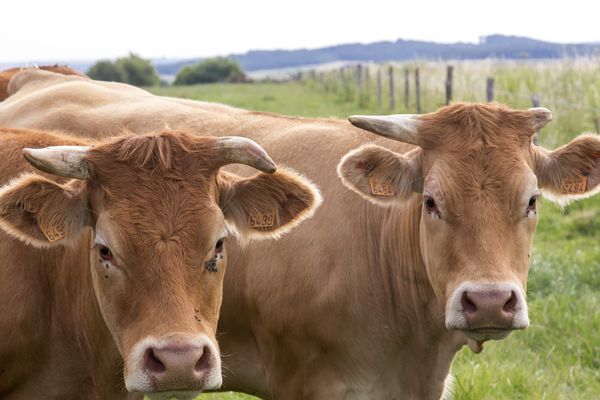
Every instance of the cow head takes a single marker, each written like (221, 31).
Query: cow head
(477, 176)
(161, 209)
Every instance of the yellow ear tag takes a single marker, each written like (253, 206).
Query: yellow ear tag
(574, 185)
(52, 233)
(381, 187)
(259, 220)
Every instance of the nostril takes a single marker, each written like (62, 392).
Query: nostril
(204, 362)
(511, 303)
(467, 304)
(152, 362)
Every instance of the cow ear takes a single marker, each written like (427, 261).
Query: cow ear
(570, 172)
(380, 175)
(41, 212)
(266, 205)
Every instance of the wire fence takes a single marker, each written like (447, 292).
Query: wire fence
(567, 87)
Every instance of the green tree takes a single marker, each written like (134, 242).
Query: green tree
(139, 71)
(209, 71)
(107, 71)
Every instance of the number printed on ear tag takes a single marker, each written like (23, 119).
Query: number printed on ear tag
(574, 185)
(52, 233)
(259, 220)
(381, 187)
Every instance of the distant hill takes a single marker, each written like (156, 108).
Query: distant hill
(494, 46)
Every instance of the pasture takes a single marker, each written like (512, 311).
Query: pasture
(558, 357)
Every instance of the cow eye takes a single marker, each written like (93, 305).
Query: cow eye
(532, 206)
(219, 246)
(431, 207)
(532, 202)
(105, 253)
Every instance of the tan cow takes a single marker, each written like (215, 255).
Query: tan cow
(362, 301)
(7, 74)
(113, 280)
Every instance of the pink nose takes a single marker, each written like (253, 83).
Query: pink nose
(178, 367)
(489, 308)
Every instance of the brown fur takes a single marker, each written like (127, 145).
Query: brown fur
(349, 304)
(155, 199)
(489, 125)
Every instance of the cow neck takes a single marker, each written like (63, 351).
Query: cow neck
(78, 324)
(418, 333)
(396, 254)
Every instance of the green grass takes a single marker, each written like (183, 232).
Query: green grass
(558, 357)
(282, 98)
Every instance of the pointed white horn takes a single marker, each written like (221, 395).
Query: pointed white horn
(241, 150)
(540, 117)
(67, 161)
(401, 127)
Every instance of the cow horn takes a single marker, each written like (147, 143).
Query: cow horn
(400, 127)
(540, 117)
(67, 161)
(241, 150)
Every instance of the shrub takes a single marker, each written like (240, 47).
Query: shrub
(210, 71)
(132, 69)
(107, 71)
(139, 71)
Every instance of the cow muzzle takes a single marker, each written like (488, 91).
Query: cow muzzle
(487, 311)
(177, 365)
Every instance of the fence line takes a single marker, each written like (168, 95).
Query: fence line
(362, 88)
(566, 104)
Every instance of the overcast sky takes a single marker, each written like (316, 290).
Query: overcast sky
(47, 30)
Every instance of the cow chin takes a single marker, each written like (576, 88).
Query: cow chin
(180, 395)
(485, 334)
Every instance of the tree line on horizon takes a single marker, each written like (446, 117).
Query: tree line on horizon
(138, 71)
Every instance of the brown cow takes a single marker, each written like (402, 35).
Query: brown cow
(7, 74)
(149, 215)
(382, 297)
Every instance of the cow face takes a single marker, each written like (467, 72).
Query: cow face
(161, 210)
(477, 177)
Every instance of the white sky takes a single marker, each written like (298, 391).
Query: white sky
(47, 30)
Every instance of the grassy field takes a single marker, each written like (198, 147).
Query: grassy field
(558, 357)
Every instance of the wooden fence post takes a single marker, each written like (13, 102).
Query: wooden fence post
(406, 87)
(418, 91)
(379, 98)
(535, 102)
(392, 88)
(359, 77)
(489, 89)
(449, 71)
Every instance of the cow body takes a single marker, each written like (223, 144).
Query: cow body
(7, 74)
(364, 316)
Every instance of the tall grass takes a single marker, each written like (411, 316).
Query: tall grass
(569, 87)
(558, 357)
